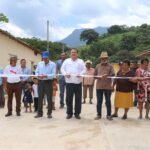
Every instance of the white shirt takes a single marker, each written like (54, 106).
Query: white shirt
(35, 90)
(74, 68)
(10, 70)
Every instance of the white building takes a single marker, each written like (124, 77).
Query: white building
(9, 45)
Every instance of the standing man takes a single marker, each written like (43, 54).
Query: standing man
(88, 82)
(25, 71)
(2, 99)
(13, 85)
(104, 85)
(73, 68)
(134, 68)
(62, 82)
(45, 71)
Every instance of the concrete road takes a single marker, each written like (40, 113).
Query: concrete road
(28, 133)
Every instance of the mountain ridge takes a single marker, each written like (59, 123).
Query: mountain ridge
(73, 40)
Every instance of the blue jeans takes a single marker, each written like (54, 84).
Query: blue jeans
(71, 90)
(107, 94)
(62, 86)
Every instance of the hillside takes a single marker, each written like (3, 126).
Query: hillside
(73, 40)
(121, 44)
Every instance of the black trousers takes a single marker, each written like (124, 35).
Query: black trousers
(2, 99)
(36, 103)
(71, 90)
(45, 88)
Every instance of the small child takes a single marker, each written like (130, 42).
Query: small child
(35, 93)
(27, 98)
(55, 88)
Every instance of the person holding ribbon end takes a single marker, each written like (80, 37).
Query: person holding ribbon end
(143, 88)
(46, 72)
(12, 84)
(104, 85)
(73, 68)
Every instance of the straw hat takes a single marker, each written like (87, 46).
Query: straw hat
(88, 62)
(104, 55)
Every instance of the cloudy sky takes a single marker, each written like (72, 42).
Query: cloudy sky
(27, 18)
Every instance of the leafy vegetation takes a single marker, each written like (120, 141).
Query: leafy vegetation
(55, 48)
(121, 42)
(3, 18)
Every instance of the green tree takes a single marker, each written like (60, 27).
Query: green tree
(89, 36)
(128, 41)
(117, 29)
(122, 55)
(3, 18)
(55, 48)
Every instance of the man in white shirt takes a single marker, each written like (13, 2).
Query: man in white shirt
(13, 85)
(72, 69)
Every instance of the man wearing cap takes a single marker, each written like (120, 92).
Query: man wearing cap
(104, 85)
(62, 82)
(88, 82)
(12, 84)
(73, 68)
(45, 71)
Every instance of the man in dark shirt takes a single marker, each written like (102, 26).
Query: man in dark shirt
(133, 68)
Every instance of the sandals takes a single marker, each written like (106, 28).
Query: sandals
(124, 117)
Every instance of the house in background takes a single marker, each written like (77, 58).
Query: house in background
(9, 45)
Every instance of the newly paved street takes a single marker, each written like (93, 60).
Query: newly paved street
(28, 133)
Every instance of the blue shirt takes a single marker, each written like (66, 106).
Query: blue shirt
(59, 64)
(46, 69)
(1, 72)
(25, 71)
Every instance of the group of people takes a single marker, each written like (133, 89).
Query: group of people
(74, 76)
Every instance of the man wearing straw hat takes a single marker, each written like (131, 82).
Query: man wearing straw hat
(13, 85)
(45, 71)
(104, 85)
(88, 82)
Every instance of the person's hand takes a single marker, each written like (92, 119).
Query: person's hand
(22, 81)
(42, 76)
(68, 76)
(112, 88)
(78, 76)
(57, 77)
(104, 76)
